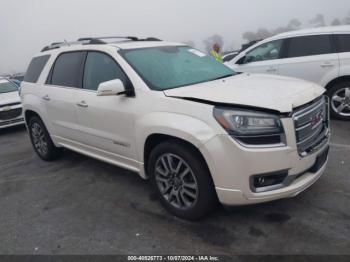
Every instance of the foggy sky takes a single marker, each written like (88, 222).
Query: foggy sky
(26, 26)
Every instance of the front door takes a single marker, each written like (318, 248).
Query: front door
(262, 59)
(106, 123)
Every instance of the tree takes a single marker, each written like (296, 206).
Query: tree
(346, 20)
(293, 24)
(336, 22)
(318, 21)
(261, 33)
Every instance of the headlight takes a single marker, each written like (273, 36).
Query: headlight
(250, 127)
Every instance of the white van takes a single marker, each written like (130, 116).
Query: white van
(320, 55)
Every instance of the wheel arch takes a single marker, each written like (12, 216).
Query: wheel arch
(28, 114)
(337, 80)
(157, 138)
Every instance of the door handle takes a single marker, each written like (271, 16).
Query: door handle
(82, 104)
(327, 64)
(46, 98)
(271, 70)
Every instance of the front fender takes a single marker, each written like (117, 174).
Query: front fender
(192, 130)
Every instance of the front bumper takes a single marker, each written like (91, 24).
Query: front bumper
(11, 121)
(232, 166)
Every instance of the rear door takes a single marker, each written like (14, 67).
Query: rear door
(343, 48)
(61, 93)
(261, 59)
(311, 58)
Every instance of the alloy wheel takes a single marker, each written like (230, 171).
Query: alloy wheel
(39, 139)
(176, 181)
(341, 102)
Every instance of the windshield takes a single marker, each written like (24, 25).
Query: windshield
(6, 87)
(174, 66)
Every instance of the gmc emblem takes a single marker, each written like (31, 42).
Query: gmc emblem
(316, 119)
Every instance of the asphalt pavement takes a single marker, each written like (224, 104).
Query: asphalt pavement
(78, 205)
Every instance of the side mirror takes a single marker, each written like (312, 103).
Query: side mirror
(111, 88)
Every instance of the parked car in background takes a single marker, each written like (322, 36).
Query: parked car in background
(15, 81)
(175, 115)
(320, 55)
(19, 77)
(229, 56)
(10, 104)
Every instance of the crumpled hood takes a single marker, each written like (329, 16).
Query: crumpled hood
(264, 91)
(9, 98)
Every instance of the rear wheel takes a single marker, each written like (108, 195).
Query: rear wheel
(41, 140)
(182, 180)
(340, 101)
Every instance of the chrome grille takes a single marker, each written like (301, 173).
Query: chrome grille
(10, 114)
(311, 125)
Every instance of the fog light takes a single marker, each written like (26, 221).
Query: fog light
(271, 179)
(261, 181)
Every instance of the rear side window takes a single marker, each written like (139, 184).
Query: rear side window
(100, 68)
(343, 43)
(35, 68)
(67, 70)
(310, 45)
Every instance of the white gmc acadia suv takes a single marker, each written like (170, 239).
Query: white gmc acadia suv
(320, 55)
(199, 131)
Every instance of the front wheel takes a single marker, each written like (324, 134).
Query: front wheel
(182, 180)
(340, 101)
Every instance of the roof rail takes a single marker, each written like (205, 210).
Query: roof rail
(56, 45)
(95, 41)
(151, 39)
(99, 40)
(132, 38)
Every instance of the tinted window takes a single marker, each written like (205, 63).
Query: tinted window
(310, 45)
(100, 68)
(35, 67)
(67, 70)
(343, 43)
(264, 52)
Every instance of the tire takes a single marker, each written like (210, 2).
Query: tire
(339, 95)
(189, 192)
(41, 140)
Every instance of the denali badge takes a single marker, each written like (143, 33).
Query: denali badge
(316, 119)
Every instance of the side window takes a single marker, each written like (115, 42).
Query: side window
(309, 46)
(35, 68)
(100, 68)
(264, 52)
(67, 70)
(343, 43)
(229, 57)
